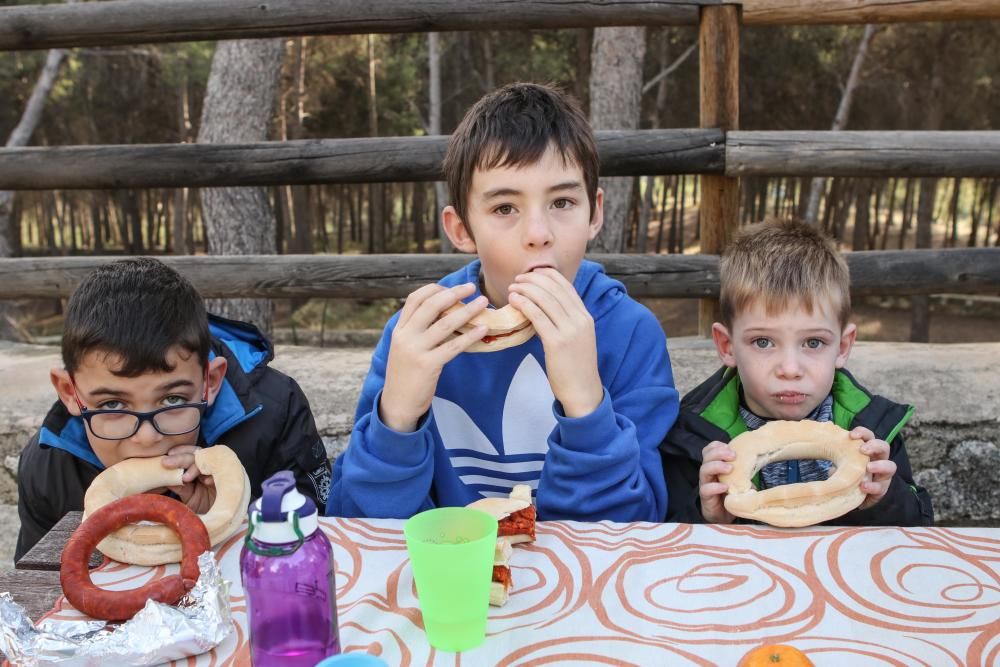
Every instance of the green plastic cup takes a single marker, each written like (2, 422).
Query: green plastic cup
(451, 553)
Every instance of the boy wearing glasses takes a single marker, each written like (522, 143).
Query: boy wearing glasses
(148, 373)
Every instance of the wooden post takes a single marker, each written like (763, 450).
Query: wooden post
(719, 55)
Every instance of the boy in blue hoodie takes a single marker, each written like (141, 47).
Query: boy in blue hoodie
(576, 412)
(147, 373)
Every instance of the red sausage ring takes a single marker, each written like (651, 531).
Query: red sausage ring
(74, 574)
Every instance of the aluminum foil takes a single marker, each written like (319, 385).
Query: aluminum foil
(158, 633)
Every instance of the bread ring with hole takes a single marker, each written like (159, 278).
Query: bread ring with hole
(801, 504)
(142, 544)
(505, 327)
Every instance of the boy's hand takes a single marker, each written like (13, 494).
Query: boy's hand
(421, 346)
(715, 461)
(197, 490)
(567, 332)
(880, 468)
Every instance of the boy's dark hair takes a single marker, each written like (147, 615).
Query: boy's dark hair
(780, 263)
(136, 309)
(514, 126)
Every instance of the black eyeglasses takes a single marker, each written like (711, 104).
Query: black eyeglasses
(122, 424)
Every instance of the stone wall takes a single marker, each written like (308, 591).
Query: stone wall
(953, 439)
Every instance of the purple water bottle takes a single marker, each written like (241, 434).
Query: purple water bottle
(287, 571)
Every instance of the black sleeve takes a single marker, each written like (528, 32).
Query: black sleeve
(904, 504)
(683, 500)
(35, 507)
(301, 449)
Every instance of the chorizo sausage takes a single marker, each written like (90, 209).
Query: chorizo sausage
(108, 605)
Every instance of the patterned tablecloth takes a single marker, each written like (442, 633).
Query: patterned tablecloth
(656, 594)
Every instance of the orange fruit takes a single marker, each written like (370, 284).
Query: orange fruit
(775, 655)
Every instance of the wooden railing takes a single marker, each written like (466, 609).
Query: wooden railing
(965, 270)
(395, 159)
(122, 22)
(718, 151)
(382, 159)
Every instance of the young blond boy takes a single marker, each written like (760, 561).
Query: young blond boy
(577, 412)
(784, 339)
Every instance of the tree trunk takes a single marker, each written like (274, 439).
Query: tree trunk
(675, 230)
(844, 209)
(301, 211)
(584, 40)
(955, 193)
(991, 201)
(134, 216)
(662, 214)
(920, 319)
(434, 128)
(862, 213)
(282, 218)
(238, 107)
(979, 205)
(417, 212)
(843, 112)
(376, 218)
(489, 62)
(680, 213)
(21, 134)
(933, 114)
(615, 97)
(904, 227)
(658, 111)
(339, 191)
(644, 213)
(318, 202)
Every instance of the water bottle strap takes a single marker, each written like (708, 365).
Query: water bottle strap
(274, 551)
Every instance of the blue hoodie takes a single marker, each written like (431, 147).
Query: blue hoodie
(494, 423)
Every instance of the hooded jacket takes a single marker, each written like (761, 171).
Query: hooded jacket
(494, 423)
(259, 413)
(711, 412)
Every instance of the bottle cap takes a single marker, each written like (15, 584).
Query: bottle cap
(276, 513)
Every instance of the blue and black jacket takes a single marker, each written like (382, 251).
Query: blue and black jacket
(260, 413)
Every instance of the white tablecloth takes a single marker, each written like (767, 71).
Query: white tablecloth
(655, 594)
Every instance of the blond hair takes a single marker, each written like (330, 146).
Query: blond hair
(782, 263)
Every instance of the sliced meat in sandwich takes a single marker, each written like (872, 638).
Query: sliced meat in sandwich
(505, 327)
(502, 581)
(515, 517)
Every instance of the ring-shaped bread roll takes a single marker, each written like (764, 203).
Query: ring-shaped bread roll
(802, 504)
(505, 327)
(142, 544)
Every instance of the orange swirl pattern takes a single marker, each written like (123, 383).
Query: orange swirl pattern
(643, 593)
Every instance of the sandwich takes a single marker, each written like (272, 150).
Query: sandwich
(515, 517)
(505, 327)
(515, 523)
(501, 583)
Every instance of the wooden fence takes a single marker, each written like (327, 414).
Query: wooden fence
(719, 151)
(966, 270)
(122, 22)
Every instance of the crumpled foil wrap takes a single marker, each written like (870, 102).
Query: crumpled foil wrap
(158, 633)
